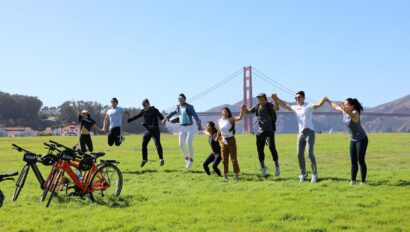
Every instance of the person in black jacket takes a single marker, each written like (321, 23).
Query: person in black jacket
(86, 124)
(150, 116)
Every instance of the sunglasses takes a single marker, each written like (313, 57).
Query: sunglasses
(298, 97)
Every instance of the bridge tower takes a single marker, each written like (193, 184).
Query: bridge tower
(248, 98)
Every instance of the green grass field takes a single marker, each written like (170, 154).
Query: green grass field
(170, 198)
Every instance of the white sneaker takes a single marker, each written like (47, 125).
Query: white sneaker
(190, 162)
(302, 178)
(186, 163)
(277, 171)
(353, 182)
(263, 172)
(314, 178)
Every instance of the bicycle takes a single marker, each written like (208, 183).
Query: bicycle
(100, 181)
(31, 160)
(4, 177)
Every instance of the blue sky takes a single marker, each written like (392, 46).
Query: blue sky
(94, 50)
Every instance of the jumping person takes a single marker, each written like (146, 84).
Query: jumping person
(215, 156)
(114, 117)
(266, 119)
(150, 115)
(351, 110)
(185, 112)
(227, 141)
(86, 124)
(304, 115)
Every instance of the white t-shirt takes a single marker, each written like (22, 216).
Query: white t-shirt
(115, 116)
(224, 126)
(304, 115)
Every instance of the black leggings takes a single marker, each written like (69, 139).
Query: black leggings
(261, 140)
(114, 136)
(86, 142)
(155, 134)
(216, 158)
(357, 155)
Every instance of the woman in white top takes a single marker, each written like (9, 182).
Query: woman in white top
(227, 141)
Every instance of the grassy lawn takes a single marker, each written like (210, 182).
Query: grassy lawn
(170, 198)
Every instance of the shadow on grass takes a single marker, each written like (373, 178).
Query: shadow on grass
(400, 183)
(140, 172)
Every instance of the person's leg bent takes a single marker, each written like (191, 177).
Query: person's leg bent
(217, 161)
(208, 161)
(111, 138)
(117, 137)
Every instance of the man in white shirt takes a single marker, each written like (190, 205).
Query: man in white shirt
(114, 117)
(304, 115)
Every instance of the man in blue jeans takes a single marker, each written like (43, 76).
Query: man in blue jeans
(306, 137)
(150, 116)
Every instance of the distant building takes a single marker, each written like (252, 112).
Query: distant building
(70, 130)
(18, 131)
(3, 133)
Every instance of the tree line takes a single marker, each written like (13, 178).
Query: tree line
(26, 111)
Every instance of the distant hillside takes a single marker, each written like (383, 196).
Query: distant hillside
(288, 124)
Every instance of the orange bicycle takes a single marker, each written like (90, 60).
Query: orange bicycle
(102, 182)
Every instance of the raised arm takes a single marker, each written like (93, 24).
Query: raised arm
(75, 108)
(319, 104)
(280, 102)
(353, 114)
(240, 117)
(335, 106)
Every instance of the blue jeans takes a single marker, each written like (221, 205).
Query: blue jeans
(306, 137)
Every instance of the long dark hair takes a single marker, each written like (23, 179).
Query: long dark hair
(213, 127)
(356, 104)
(230, 116)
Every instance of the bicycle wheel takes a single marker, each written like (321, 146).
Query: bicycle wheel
(106, 183)
(56, 184)
(20, 182)
(48, 184)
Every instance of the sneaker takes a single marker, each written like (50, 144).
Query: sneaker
(277, 171)
(143, 163)
(190, 162)
(225, 178)
(353, 182)
(161, 162)
(263, 172)
(314, 178)
(302, 177)
(186, 163)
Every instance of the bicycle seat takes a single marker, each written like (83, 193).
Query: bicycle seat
(97, 154)
(5, 175)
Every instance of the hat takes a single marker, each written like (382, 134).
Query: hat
(262, 95)
(114, 99)
(182, 96)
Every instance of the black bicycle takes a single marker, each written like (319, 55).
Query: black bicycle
(4, 177)
(31, 160)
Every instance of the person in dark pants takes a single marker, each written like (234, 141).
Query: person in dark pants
(215, 156)
(351, 110)
(150, 115)
(114, 118)
(266, 119)
(86, 124)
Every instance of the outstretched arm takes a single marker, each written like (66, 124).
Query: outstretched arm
(281, 103)
(320, 103)
(353, 114)
(240, 117)
(335, 106)
(99, 129)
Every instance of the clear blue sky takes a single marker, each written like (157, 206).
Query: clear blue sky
(94, 50)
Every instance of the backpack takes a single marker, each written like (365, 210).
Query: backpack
(271, 112)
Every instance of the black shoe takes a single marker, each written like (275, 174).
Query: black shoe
(143, 163)
(161, 162)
